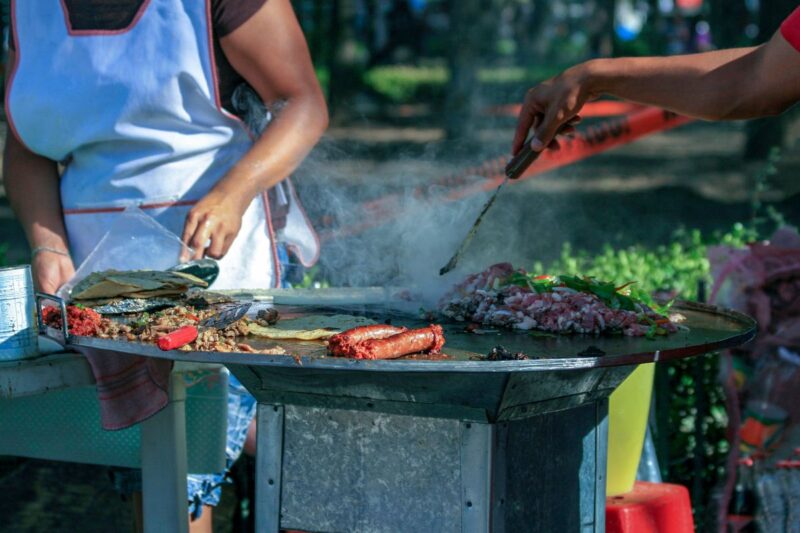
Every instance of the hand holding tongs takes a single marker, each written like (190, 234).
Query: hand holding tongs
(186, 334)
(514, 169)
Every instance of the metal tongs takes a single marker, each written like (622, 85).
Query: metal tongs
(514, 169)
(186, 334)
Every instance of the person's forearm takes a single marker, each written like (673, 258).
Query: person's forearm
(712, 85)
(281, 149)
(32, 187)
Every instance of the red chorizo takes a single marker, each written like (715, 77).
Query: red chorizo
(429, 340)
(343, 344)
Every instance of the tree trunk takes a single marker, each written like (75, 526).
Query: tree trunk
(765, 133)
(335, 73)
(472, 30)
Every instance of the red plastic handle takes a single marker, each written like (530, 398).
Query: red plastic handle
(176, 339)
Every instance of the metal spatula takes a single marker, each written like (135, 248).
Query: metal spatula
(513, 170)
(186, 334)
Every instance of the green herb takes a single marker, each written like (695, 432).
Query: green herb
(627, 296)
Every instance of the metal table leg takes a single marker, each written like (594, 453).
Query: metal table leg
(269, 463)
(477, 452)
(163, 436)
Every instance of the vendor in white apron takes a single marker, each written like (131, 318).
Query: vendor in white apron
(130, 104)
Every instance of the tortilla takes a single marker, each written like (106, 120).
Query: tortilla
(312, 327)
(134, 284)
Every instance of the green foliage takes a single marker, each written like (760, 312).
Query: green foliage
(405, 83)
(401, 83)
(678, 266)
(764, 214)
(3, 251)
(693, 418)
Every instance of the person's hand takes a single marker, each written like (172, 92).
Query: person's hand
(51, 270)
(551, 108)
(213, 224)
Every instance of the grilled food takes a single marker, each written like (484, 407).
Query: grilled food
(110, 284)
(148, 328)
(312, 327)
(507, 297)
(386, 342)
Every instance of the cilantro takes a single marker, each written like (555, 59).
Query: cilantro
(627, 296)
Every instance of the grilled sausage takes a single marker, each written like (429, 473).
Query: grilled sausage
(343, 344)
(430, 340)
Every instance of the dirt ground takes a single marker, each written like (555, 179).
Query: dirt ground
(690, 177)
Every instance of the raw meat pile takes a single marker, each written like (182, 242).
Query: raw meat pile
(490, 298)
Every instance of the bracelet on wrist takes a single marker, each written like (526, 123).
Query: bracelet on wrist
(41, 249)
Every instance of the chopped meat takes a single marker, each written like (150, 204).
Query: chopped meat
(82, 321)
(148, 328)
(487, 298)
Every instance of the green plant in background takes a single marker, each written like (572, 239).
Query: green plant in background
(406, 83)
(3, 251)
(690, 405)
(401, 83)
(765, 214)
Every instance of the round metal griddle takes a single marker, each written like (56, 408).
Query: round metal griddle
(559, 376)
(705, 329)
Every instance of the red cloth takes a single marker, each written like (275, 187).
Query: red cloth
(790, 29)
(130, 388)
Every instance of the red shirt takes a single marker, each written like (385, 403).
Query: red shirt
(790, 29)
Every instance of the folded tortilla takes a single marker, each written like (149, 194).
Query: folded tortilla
(312, 327)
(134, 284)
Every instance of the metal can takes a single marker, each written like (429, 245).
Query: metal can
(18, 330)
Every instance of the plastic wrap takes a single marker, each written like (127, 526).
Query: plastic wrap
(134, 242)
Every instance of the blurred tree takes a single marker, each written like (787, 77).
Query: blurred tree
(729, 20)
(464, 48)
(601, 29)
(344, 63)
(532, 15)
(471, 36)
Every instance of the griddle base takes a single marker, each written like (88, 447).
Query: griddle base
(342, 470)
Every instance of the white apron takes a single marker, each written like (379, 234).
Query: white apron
(135, 116)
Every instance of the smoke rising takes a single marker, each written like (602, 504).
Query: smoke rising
(419, 237)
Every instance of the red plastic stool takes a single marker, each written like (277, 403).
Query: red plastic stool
(650, 508)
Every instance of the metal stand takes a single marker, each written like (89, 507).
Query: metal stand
(445, 445)
(341, 470)
(269, 462)
(165, 502)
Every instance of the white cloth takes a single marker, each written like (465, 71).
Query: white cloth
(135, 116)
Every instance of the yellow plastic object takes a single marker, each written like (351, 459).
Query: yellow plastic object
(628, 409)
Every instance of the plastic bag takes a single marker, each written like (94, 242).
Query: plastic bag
(134, 242)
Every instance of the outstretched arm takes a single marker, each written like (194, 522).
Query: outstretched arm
(726, 84)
